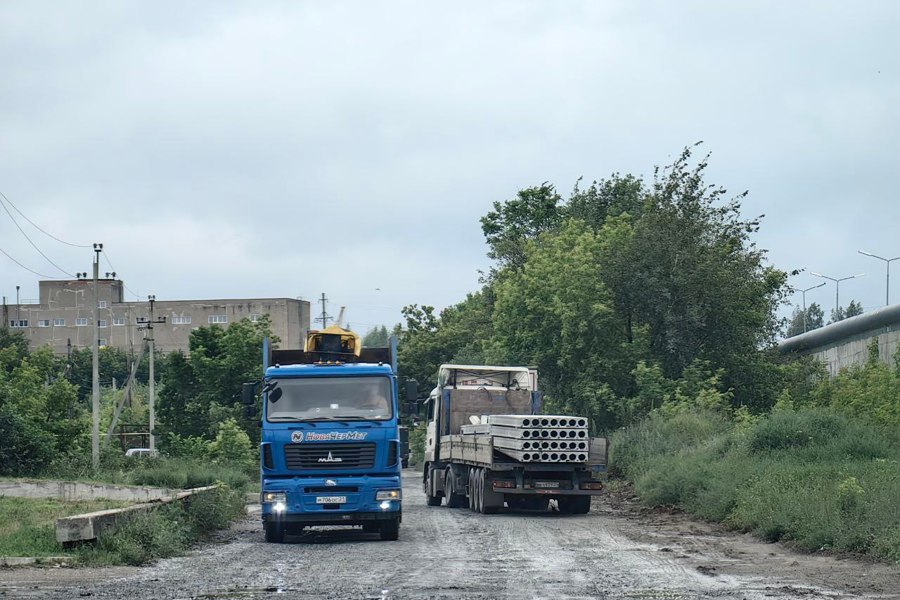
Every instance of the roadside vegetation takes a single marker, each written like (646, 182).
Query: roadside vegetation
(27, 525)
(648, 308)
(167, 531)
(201, 435)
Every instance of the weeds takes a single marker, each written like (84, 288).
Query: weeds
(812, 477)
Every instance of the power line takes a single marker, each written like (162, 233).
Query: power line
(26, 268)
(113, 269)
(19, 227)
(50, 235)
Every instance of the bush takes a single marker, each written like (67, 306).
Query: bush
(812, 477)
(166, 531)
(186, 474)
(25, 448)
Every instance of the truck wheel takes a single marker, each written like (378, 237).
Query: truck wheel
(471, 490)
(390, 530)
(489, 498)
(574, 505)
(274, 532)
(429, 499)
(454, 500)
(581, 505)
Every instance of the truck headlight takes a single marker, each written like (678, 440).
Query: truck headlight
(387, 495)
(274, 498)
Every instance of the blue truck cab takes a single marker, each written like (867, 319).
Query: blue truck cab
(330, 443)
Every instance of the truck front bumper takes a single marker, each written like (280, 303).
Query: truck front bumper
(305, 500)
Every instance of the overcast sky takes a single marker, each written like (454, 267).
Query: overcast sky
(285, 149)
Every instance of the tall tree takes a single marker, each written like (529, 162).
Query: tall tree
(377, 337)
(512, 223)
(814, 318)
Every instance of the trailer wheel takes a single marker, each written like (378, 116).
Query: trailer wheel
(471, 490)
(390, 530)
(479, 481)
(574, 505)
(429, 498)
(274, 532)
(491, 501)
(454, 500)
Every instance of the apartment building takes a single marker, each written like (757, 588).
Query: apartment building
(62, 316)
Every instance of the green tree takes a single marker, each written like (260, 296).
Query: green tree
(815, 318)
(691, 274)
(512, 223)
(204, 390)
(556, 313)
(377, 337)
(840, 313)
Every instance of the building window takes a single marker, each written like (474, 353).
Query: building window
(254, 318)
(81, 322)
(19, 323)
(59, 322)
(218, 318)
(103, 323)
(101, 304)
(118, 321)
(182, 320)
(44, 323)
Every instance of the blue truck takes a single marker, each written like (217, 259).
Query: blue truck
(330, 444)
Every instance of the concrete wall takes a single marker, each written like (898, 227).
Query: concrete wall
(69, 491)
(846, 343)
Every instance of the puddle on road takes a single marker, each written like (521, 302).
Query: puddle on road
(655, 595)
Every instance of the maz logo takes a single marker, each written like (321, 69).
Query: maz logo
(331, 459)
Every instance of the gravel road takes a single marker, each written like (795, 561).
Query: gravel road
(617, 551)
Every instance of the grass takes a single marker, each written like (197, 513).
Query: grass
(163, 471)
(813, 478)
(28, 526)
(167, 531)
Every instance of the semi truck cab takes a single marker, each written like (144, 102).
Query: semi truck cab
(330, 444)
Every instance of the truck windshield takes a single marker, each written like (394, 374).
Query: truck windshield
(326, 398)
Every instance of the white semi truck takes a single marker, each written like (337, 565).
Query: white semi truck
(487, 445)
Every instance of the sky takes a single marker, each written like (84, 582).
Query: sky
(288, 149)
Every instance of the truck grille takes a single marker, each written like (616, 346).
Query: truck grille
(329, 456)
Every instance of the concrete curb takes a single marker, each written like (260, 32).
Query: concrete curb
(36, 561)
(90, 526)
(78, 490)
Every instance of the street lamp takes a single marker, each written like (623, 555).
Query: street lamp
(837, 287)
(887, 286)
(804, 302)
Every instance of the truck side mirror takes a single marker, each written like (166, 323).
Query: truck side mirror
(250, 411)
(248, 394)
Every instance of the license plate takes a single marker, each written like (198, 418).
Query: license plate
(331, 500)
(546, 484)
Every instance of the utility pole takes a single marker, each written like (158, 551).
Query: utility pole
(325, 316)
(148, 324)
(95, 395)
(18, 314)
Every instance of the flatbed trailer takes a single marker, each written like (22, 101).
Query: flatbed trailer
(476, 469)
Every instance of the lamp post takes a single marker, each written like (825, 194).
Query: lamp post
(887, 280)
(804, 301)
(837, 287)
